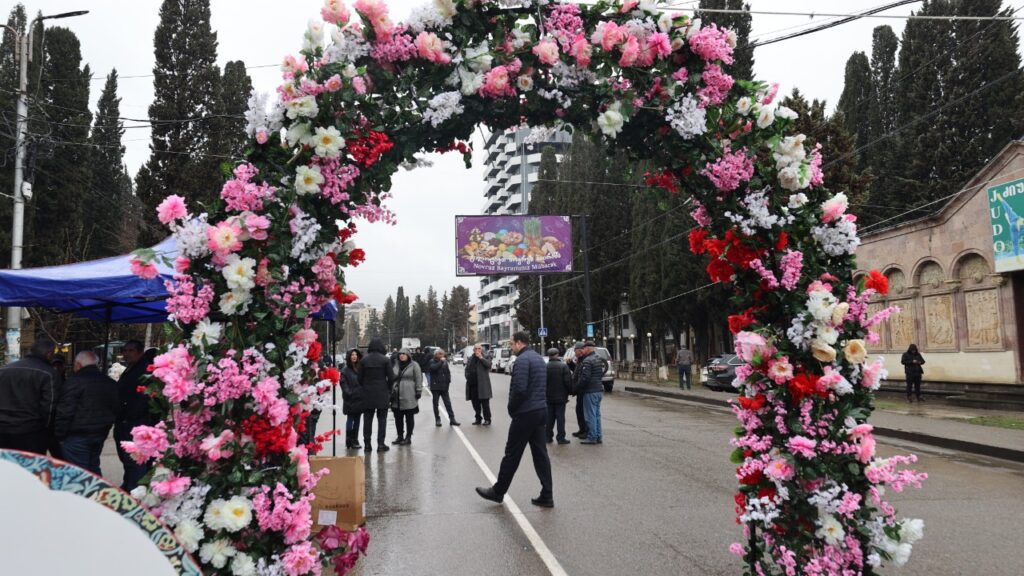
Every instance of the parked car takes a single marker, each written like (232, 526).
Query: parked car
(721, 371)
(512, 361)
(608, 379)
(458, 359)
(500, 358)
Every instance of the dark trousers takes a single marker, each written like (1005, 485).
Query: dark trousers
(483, 406)
(685, 371)
(581, 415)
(526, 429)
(83, 450)
(133, 471)
(26, 441)
(556, 414)
(382, 426)
(442, 395)
(914, 385)
(405, 420)
(352, 429)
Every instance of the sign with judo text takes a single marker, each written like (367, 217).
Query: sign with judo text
(512, 245)
(1006, 209)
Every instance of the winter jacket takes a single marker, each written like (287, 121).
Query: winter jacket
(88, 405)
(440, 375)
(559, 382)
(28, 395)
(408, 385)
(684, 357)
(134, 404)
(528, 390)
(478, 379)
(351, 391)
(912, 363)
(376, 379)
(589, 371)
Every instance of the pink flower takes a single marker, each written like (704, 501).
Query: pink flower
(770, 96)
(376, 11)
(215, 446)
(262, 136)
(333, 84)
(359, 85)
(866, 448)
(660, 44)
(431, 48)
(608, 35)
(147, 442)
(170, 487)
(292, 65)
(628, 6)
(834, 208)
(300, 457)
(497, 81)
(716, 85)
(581, 51)
(257, 226)
(779, 469)
(304, 337)
(630, 52)
(802, 446)
(144, 270)
(860, 430)
(681, 75)
(171, 209)
(335, 12)
(224, 238)
(873, 374)
(359, 540)
(750, 345)
(731, 170)
(780, 370)
(301, 559)
(791, 264)
(547, 52)
(712, 43)
(181, 264)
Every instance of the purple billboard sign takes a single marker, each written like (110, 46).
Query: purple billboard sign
(495, 245)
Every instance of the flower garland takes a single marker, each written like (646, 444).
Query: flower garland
(360, 100)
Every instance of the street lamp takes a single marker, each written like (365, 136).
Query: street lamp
(650, 350)
(22, 44)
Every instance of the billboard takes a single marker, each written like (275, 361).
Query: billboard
(525, 244)
(1006, 209)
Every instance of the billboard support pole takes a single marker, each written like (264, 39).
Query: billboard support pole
(544, 337)
(588, 311)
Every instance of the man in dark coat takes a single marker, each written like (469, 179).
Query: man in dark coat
(376, 378)
(440, 380)
(478, 386)
(134, 409)
(559, 379)
(581, 416)
(527, 405)
(28, 399)
(589, 371)
(85, 413)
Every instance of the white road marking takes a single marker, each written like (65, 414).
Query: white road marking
(549, 560)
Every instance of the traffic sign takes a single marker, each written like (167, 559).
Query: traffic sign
(590, 330)
(542, 332)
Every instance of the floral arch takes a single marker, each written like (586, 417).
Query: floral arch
(366, 94)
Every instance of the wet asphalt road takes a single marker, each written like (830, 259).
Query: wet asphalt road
(654, 499)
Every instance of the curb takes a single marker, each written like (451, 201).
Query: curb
(918, 437)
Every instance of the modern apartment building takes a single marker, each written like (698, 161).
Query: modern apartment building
(511, 168)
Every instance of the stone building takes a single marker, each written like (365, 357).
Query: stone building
(967, 319)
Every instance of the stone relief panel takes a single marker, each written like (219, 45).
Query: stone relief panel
(973, 269)
(930, 276)
(897, 281)
(939, 321)
(984, 325)
(901, 326)
(882, 329)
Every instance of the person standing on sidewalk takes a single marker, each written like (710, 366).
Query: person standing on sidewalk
(581, 413)
(684, 362)
(376, 378)
(559, 379)
(352, 398)
(134, 408)
(405, 396)
(440, 379)
(478, 386)
(28, 399)
(912, 362)
(86, 412)
(590, 369)
(527, 405)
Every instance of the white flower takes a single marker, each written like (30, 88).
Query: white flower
(827, 333)
(901, 554)
(350, 71)
(445, 7)
(693, 28)
(239, 272)
(328, 142)
(786, 113)
(442, 107)
(744, 104)
(299, 133)
(144, 496)
(838, 238)
(821, 304)
(790, 151)
(235, 302)
(830, 529)
(687, 118)
(470, 81)
(794, 177)
(216, 553)
(730, 38)
(520, 38)
(206, 332)
(665, 22)
(302, 106)
(313, 39)
(797, 200)
(308, 180)
(236, 514)
(610, 121)
(191, 237)
(189, 533)
(766, 117)
(911, 530)
(524, 83)
(243, 565)
(874, 560)
(478, 58)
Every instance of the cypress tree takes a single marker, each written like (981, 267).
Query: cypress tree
(388, 316)
(418, 319)
(432, 327)
(402, 314)
(458, 313)
(743, 66)
(236, 88)
(187, 92)
(856, 100)
(105, 213)
(882, 114)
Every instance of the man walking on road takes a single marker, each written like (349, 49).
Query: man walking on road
(589, 370)
(559, 385)
(684, 362)
(527, 405)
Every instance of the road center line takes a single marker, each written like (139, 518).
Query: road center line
(538, 544)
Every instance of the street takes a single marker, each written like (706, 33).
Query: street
(655, 498)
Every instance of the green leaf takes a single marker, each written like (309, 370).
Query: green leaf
(737, 456)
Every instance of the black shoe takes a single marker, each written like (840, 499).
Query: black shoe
(368, 448)
(589, 441)
(563, 441)
(455, 423)
(487, 422)
(909, 399)
(356, 446)
(477, 422)
(920, 399)
(437, 422)
(543, 502)
(580, 434)
(550, 440)
(490, 494)
(398, 441)
(383, 448)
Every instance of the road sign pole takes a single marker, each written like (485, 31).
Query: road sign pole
(544, 333)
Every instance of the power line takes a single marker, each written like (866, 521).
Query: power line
(848, 15)
(827, 25)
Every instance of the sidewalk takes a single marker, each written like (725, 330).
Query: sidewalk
(930, 423)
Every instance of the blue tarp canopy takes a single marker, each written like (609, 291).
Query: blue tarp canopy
(103, 290)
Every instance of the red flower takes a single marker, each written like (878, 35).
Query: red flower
(347, 232)
(754, 404)
(740, 254)
(342, 297)
(331, 374)
(368, 148)
(697, 241)
(266, 438)
(315, 349)
(878, 282)
(768, 492)
(356, 257)
(752, 479)
(715, 247)
(720, 271)
(782, 242)
(802, 386)
(664, 179)
(737, 322)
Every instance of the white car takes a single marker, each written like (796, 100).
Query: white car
(458, 360)
(608, 379)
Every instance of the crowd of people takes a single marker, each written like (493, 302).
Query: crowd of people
(42, 410)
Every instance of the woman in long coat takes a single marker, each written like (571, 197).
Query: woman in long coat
(912, 362)
(376, 379)
(352, 397)
(405, 397)
(478, 386)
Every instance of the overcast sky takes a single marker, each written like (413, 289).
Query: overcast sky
(420, 250)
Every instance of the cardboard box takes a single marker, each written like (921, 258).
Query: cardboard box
(340, 494)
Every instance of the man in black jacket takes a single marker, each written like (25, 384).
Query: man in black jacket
(28, 399)
(527, 399)
(559, 386)
(134, 409)
(589, 371)
(440, 380)
(85, 413)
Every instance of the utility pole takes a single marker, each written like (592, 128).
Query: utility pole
(544, 334)
(589, 314)
(22, 45)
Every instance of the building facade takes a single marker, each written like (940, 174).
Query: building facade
(966, 318)
(511, 170)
